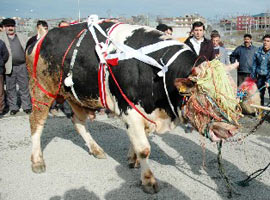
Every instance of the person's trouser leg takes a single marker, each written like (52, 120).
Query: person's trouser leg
(269, 96)
(67, 108)
(260, 84)
(11, 91)
(54, 105)
(241, 78)
(23, 82)
(2, 94)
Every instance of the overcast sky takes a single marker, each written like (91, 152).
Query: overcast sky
(44, 9)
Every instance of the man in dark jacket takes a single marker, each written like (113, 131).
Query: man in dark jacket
(15, 68)
(199, 44)
(244, 55)
(3, 59)
(42, 29)
(261, 67)
(164, 28)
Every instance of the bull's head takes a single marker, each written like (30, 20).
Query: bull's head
(202, 113)
(185, 86)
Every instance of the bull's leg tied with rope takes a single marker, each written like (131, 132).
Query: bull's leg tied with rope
(223, 174)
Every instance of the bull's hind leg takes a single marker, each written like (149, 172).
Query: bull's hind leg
(79, 121)
(141, 146)
(37, 120)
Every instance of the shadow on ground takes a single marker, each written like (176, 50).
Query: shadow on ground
(77, 194)
(115, 143)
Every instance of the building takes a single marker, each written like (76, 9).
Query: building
(244, 22)
(185, 22)
(259, 21)
(182, 25)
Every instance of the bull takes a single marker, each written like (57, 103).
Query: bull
(129, 69)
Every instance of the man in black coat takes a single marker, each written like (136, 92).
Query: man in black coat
(3, 59)
(42, 28)
(199, 44)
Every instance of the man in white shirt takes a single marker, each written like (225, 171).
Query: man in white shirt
(199, 44)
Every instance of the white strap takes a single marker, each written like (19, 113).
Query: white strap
(68, 80)
(140, 54)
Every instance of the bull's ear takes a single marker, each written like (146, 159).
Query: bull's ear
(184, 85)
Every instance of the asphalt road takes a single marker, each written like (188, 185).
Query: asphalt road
(176, 160)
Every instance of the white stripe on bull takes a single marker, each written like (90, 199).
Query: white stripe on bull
(128, 52)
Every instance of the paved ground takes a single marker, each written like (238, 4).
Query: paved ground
(176, 160)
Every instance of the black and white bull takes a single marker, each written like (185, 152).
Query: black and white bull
(138, 80)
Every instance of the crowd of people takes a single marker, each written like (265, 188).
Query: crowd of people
(13, 70)
(253, 62)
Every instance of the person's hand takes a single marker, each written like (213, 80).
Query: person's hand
(236, 64)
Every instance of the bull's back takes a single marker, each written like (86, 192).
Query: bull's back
(58, 47)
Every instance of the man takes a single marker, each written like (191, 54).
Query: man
(16, 71)
(261, 67)
(164, 28)
(244, 55)
(199, 44)
(219, 51)
(63, 24)
(42, 29)
(1, 27)
(3, 59)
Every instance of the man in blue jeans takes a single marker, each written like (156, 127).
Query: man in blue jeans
(261, 67)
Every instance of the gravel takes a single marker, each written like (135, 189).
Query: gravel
(176, 160)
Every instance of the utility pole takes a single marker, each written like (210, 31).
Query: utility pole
(79, 10)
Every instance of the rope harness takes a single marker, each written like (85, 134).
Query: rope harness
(108, 60)
(127, 52)
(34, 74)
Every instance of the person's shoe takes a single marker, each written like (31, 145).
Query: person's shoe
(13, 112)
(54, 112)
(27, 111)
(69, 115)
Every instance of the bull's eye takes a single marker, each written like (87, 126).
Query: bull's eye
(182, 89)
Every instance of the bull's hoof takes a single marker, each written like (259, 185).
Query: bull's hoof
(151, 188)
(99, 154)
(38, 167)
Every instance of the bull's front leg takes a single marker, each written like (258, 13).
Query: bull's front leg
(133, 161)
(142, 149)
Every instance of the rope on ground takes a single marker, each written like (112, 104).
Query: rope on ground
(255, 174)
(221, 169)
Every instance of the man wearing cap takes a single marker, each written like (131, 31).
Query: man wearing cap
(15, 68)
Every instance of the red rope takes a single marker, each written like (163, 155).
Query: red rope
(126, 98)
(34, 75)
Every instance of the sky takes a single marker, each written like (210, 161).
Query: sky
(210, 9)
